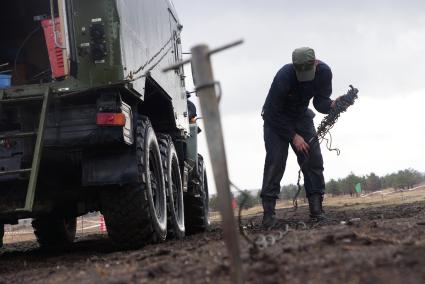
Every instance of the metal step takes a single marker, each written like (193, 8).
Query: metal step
(18, 135)
(9, 173)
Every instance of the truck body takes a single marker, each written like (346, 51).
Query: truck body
(86, 104)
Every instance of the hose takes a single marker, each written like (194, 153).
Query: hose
(18, 53)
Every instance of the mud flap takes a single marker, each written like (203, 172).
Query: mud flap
(110, 169)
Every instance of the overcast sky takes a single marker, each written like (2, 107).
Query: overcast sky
(378, 46)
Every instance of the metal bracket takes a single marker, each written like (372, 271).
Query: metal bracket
(211, 85)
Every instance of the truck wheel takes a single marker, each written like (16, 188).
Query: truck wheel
(174, 187)
(52, 231)
(136, 214)
(196, 201)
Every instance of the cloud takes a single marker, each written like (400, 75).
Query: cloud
(378, 46)
(374, 44)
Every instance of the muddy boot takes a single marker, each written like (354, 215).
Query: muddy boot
(269, 215)
(316, 210)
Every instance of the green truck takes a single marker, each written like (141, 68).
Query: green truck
(89, 122)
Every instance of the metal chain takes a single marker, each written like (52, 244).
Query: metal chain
(262, 241)
(341, 106)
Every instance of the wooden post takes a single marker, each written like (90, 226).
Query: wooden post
(205, 85)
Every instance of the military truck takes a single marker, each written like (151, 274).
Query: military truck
(89, 122)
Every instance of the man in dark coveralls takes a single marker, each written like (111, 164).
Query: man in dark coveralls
(289, 121)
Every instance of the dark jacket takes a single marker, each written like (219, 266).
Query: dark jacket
(288, 99)
(191, 108)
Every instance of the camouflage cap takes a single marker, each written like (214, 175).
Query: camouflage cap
(304, 60)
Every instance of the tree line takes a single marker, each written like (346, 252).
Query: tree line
(403, 179)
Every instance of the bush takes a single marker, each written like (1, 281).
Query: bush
(246, 200)
(287, 192)
(213, 203)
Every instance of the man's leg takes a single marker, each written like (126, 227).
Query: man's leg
(274, 167)
(312, 168)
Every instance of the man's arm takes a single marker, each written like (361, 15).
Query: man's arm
(322, 102)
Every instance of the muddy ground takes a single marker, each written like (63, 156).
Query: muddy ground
(387, 245)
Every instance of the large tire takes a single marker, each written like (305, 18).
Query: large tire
(55, 232)
(136, 215)
(197, 201)
(174, 187)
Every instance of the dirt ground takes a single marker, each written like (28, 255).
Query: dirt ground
(383, 243)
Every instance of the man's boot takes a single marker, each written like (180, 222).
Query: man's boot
(269, 218)
(316, 210)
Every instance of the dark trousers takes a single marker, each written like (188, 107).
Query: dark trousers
(277, 154)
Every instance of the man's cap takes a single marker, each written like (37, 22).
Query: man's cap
(304, 60)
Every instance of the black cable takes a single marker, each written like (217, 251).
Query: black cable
(29, 36)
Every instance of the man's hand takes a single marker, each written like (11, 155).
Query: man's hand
(300, 144)
(334, 102)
